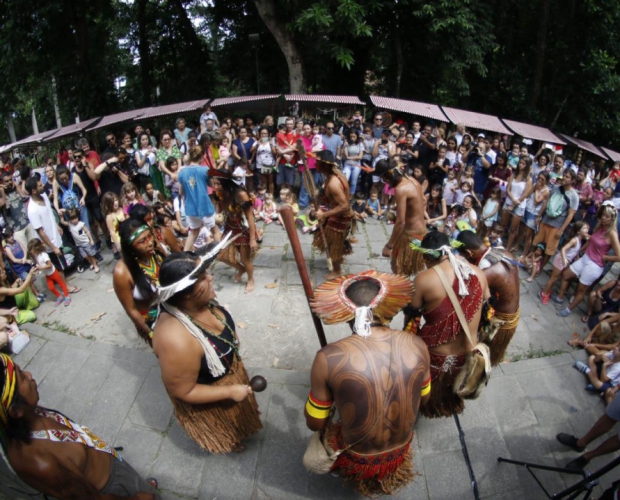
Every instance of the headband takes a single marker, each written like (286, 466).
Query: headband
(138, 232)
(331, 304)
(8, 390)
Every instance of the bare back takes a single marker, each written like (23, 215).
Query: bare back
(358, 376)
(409, 192)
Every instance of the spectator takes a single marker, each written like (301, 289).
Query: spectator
(353, 153)
(181, 131)
(333, 142)
(377, 126)
(110, 174)
(15, 213)
(265, 153)
(460, 132)
(168, 149)
(91, 156)
(286, 148)
(110, 140)
(533, 206)
(208, 115)
(481, 163)
(427, 148)
(601, 302)
(517, 192)
(583, 188)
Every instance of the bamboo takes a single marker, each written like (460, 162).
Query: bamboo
(289, 223)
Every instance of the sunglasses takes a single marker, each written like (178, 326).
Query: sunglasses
(330, 128)
(77, 157)
(378, 119)
(110, 139)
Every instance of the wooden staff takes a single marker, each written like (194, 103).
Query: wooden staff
(289, 223)
(313, 193)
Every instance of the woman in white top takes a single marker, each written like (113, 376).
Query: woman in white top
(145, 158)
(265, 153)
(353, 153)
(517, 192)
(540, 194)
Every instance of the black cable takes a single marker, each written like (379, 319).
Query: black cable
(472, 476)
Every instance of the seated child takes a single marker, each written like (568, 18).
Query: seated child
(270, 209)
(204, 238)
(373, 205)
(288, 197)
(602, 370)
(359, 208)
(532, 261)
(495, 236)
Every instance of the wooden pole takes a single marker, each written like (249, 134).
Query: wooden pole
(289, 223)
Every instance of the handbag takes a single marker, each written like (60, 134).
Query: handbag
(476, 371)
(319, 456)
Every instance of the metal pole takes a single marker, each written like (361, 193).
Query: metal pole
(472, 476)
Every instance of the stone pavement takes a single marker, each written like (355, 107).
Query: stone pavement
(93, 368)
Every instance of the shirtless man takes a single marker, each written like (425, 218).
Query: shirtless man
(334, 239)
(377, 378)
(503, 279)
(409, 223)
(71, 468)
(448, 344)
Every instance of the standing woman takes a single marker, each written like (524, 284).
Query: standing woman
(198, 351)
(436, 209)
(112, 210)
(265, 153)
(533, 207)
(451, 151)
(517, 192)
(168, 148)
(237, 206)
(242, 149)
(136, 276)
(591, 265)
(499, 175)
(145, 159)
(353, 154)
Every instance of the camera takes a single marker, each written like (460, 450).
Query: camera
(384, 141)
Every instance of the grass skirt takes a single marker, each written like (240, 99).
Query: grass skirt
(381, 473)
(221, 427)
(499, 343)
(405, 260)
(336, 244)
(443, 402)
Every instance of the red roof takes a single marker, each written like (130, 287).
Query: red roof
(478, 121)
(431, 111)
(74, 128)
(328, 99)
(35, 138)
(174, 109)
(585, 145)
(224, 101)
(106, 121)
(535, 132)
(609, 152)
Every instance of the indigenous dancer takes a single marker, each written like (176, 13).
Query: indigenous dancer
(338, 221)
(53, 454)
(237, 206)
(503, 278)
(167, 242)
(136, 275)
(198, 350)
(376, 379)
(442, 332)
(409, 223)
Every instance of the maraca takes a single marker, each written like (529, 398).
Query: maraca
(258, 383)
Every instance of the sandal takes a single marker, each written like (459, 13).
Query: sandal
(153, 482)
(585, 318)
(76, 290)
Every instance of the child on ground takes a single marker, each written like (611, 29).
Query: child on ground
(20, 263)
(270, 209)
(172, 181)
(602, 370)
(490, 211)
(52, 277)
(373, 206)
(450, 226)
(114, 215)
(359, 208)
(288, 198)
(578, 236)
(532, 261)
(204, 238)
(495, 235)
(130, 196)
(83, 239)
(463, 191)
(151, 195)
(450, 185)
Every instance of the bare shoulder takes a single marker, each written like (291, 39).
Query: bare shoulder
(169, 334)
(121, 277)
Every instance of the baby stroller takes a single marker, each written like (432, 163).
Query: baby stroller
(72, 255)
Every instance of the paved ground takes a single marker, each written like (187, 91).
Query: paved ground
(94, 368)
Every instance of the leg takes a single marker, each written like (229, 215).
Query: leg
(514, 228)
(60, 281)
(594, 305)
(567, 276)
(505, 220)
(246, 262)
(528, 236)
(555, 274)
(191, 238)
(579, 294)
(608, 446)
(602, 426)
(50, 285)
(355, 174)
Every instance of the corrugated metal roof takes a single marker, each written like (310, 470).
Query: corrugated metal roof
(585, 145)
(328, 99)
(224, 101)
(33, 139)
(4, 148)
(431, 111)
(72, 129)
(109, 120)
(609, 152)
(535, 132)
(174, 109)
(478, 121)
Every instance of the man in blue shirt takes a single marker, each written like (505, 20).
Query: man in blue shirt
(333, 142)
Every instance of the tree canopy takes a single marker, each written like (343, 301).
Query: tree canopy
(548, 62)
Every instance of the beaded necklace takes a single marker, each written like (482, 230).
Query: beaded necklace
(233, 345)
(151, 268)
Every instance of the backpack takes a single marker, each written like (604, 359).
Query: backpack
(555, 205)
(69, 199)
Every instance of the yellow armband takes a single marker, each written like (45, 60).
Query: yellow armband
(318, 409)
(426, 388)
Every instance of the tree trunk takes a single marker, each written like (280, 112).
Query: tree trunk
(541, 49)
(296, 73)
(55, 101)
(400, 62)
(187, 28)
(144, 51)
(11, 126)
(35, 125)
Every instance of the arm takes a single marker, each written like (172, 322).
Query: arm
(109, 220)
(123, 284)
(569, 218)
(399, 224)
(171, 240)
(616, 247)
(90, 236)
(235, 152)
(139, 161)
(55, 192)
(80, 184)
(568, 246)
(320, 390)
(45, 239)
(527, 192)
(25, 284)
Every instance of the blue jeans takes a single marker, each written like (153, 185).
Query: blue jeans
(304, 199)
(352, 174)
(286, 175)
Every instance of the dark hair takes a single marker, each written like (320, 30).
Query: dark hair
(503, 156)
(175, 267)
(24, 172)
(73, 213)
(139, 212)
(171, 160)
(435, 240)
(545, 174)
(61, 169)
(361, 293)
(546, 156)
(139, 137)
(497, 228)
(31, 185)
(265, 129)
(356, 132)
(359, 196)
(470, 239)
(17, 429)
(126, 229)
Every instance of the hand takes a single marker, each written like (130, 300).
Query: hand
(82, 202)
(60, 230)
(239, 392)
(387, 252)
(57, 251)
(320, 215)
(14, 311)
(564, 262)
(558, 235)
(253, 245)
